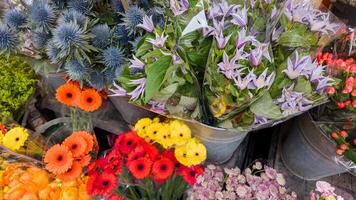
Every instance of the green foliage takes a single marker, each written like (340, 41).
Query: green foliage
(18, 83)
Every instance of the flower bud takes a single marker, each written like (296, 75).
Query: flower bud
(334, 135)
(341, 105)
(330, 90)
(339, 151)
(343, 134)
(343, 147)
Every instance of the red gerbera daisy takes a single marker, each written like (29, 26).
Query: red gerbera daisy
(115, 197)
(178, 167)
(162, 169)
(140, 168)
(190, 174)
(151, 150)
(137, 153)
(98, 166)
(125, 143)
(114, 161)
(101, 184)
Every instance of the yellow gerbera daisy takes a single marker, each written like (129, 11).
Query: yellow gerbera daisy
(152, 130)
(15, 138)
(164, 136)
(196, 151)
(180, 132)
(181, 154)
(141, 126)
(218, 107)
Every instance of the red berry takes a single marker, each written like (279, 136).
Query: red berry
(339, 151)
(330, 90)
(343, 147)
(341, 105)
(354, 103)
(353, 93)
(355, 141)
(343, 133)
(334, 135)
(347, 103)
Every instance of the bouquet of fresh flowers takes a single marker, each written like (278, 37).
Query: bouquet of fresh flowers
(87, 39)
(257, 182)
(136, 169)
(324, 191)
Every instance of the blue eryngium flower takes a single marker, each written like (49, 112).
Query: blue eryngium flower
(157, 14)
(72, 16)
(121, 35)
(101, 34)
(117, 5)
(52, 52)
(8, 39)
(59, 4)
(113, 57)
(96, 80)
(110, 75)
(81, 6)
(41, 15)
(132, 18)
(15, 19)
(40, 39)
(76, 70)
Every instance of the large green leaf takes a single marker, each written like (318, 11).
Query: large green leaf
(166, 93)
(303, 85)
(266, 108)
(155, 75)
(298, 38)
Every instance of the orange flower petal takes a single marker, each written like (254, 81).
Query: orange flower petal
(58, 159)
(90, 100)
(77, 145)
(68, 94)
(74, 172)
(87, 137)
(84, 160)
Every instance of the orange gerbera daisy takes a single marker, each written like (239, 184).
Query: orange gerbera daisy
(90, 100)
(77, 145)
(68, 94)
(74, 172)
(84, 160)
(87, 137)
(3, 129)
(58, 159)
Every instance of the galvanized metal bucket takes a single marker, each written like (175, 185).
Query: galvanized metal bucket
(307, 153)
(220, 143)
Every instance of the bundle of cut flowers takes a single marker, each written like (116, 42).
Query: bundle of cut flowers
(259, 68)
(137, 169)
(87, 39)
(324, 191)
(23, 181)
(256, 182)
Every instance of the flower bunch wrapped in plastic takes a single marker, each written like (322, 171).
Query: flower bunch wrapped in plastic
(166, 70)
(257, 182)
(87, 39)
(324, 191)
(68, 160)
(136, 169)
(173, 134)
(260, 69)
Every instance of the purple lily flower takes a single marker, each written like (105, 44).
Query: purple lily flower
(260, 119)
(219, 26)
(158, 107)
(252, 3)
(221, 40)
(292, 102)
(317, 72)
(267, 1)
(276, 33)
(274, 13)
(225, 9)
(264, 47)
(242, 83)
(139, 90)
(228, 67)
(176, 59)
(242, 39)
(262, 81)
(117, 91)
(147, 24)
(322, 24)
(158, 41)
(324, 83)
(208, 31)
(240, 54)
(214, 11)
(240, 17)
(178, 7)
(298, 67)
(256, 56)
(288, 10)
(136, 63)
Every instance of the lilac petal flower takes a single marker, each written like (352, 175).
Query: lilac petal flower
(298, 67)
(262, 80)
(242, 39)
(136, 63)
(274, 13)
(292, 102)
(256, 56)
(158, 41)
(139, 90)
(252, 3)
(158, 107)
(178, 7)
(221, 40)
(264, 47)
(176, 59)
(240, 54)
(226, 9)
(219, 26)
(260, 120)
(276, 33)
(208, 31)
(288, 10)
(117, 91)
(242, 83)
(147, 24)
(228, 67)
(240, 17)
(324, 83)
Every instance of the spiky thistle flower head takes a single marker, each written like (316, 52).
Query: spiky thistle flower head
(72, 16)
(76, 70)
(117, 5)
(113, 57)
(157, 14)
(96, 80)
(81, 6)
(41, 15)
(52, 52)
(59, 4)
(132, 18)
(40, 39)
(110, 75)
(15, 19)
(8, 40)
(121, 35)
(102, 36)
(135, 42)
(144, 4)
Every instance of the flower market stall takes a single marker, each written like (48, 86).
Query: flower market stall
(178, 99)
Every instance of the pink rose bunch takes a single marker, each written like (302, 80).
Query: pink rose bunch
(258, 182)
(324, 191)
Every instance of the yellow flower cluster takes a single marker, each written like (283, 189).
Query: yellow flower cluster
(189, 151)
(15, 138)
